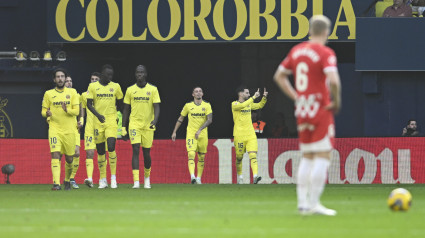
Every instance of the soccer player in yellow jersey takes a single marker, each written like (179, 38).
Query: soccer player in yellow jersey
(144, 100)
(61, 105)
(200, 117)
(89, 143)
(245, 139)
(76, 160)
(102, 99)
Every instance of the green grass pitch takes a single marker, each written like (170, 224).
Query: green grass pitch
(183, 210)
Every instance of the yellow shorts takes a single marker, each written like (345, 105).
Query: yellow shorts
(63, 143)
(89, 143)
(103, 131)
(245, 145)
(141, 136)
(198, 145)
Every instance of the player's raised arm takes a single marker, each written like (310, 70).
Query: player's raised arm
(335, 89)
(176, 127)
(262, 103)
(236, 106)
(282, 80)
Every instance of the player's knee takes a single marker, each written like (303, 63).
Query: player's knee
(69, 159)
(90, 154)
(111, 147)
(147, 153)
(191, 154)
(77, 154)
(239, 159)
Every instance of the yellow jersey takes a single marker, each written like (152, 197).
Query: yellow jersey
(197, 115)
(141, 101)
(90, 116)
(60, 120)
(243, 128)
(104, 99)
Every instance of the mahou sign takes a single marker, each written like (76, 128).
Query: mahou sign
(354, 161)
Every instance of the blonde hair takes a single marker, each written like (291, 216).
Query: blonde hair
(319, 24)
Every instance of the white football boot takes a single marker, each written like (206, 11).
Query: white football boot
(321, 210)
(114, 183)
(147, 183)
(136, 184)
(103, 184)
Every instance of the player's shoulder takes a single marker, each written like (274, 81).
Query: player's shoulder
(117, 85)
(131, 88)
(152, 85)
(206, 102)
(94, 84)
(236, 102)
(189, 103)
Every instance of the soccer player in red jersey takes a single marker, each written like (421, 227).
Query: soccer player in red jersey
(317, 96)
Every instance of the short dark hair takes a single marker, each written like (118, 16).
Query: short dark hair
(193, 90)
(60, 70)
(409, 121)
(107, 66)
(97, 74)
(146, 69)
(241, 89)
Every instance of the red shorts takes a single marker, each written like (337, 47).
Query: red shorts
(317, 134)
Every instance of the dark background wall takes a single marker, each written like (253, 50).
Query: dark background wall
(176, 68)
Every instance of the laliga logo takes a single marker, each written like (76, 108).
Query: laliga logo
(6, 128)
(352, 173)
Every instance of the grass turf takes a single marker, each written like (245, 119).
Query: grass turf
(183, 210)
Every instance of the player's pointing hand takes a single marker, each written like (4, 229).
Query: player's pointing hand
(265, 93)
(257, 94)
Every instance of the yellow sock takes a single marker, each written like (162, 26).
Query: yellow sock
(201, 158)
(147, 172)
(68, 171)
(113, 162)
(102, 163)
(56, 171)
(75, 165)
(254, 165)
(89, 168)
(191, 162)
(239, 166)
(136, 175)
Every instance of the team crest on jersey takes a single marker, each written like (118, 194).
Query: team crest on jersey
(68, 97)
(148, 93)
(111, 89)
(203, 109)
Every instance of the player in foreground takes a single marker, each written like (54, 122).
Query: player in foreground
(315, 67)
(245, 139)
(89, 143)
(80, 123)
(144, 100)
(61, 105)
(102, 99)
(200, 117)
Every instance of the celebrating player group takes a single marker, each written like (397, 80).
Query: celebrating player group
(316, 95)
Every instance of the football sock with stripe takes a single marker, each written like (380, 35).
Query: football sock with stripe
(201, 158)
(254, 164)
(191, 163)
(75, 165)
(136, 175)
(113, 162)
(89, 168)
(102, 163)
(56, 171)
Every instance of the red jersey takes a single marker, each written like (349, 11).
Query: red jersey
(309, 62)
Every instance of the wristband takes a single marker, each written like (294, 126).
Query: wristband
(82, 120)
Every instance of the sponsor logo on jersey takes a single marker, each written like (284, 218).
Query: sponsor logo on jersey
(103, 95)
(68, 97)
(203, 109)
(141, 98)
(198, 114)
(60, 103)
(111, 89)
(246, 111)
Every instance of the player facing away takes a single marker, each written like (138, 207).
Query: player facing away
(102, 100)
(80, 122)
(89, 143)
(200, 117)
(314, 66)
(144, 100)
(61, 105)
(245, 139)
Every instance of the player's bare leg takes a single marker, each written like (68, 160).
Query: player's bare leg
(89, 168)
(148, 162)
(254, 166)
(68, 171)
(135, 165)
(101, 161)
(75, 166)
(112, 160)
(56, 170)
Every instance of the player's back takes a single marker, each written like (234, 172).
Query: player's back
(310, 62)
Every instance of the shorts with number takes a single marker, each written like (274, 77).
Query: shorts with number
(317, 134)
(244, 145)
(144, 137)
(89, 143)
(198, 145)
(104, 131)
(63, 143)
